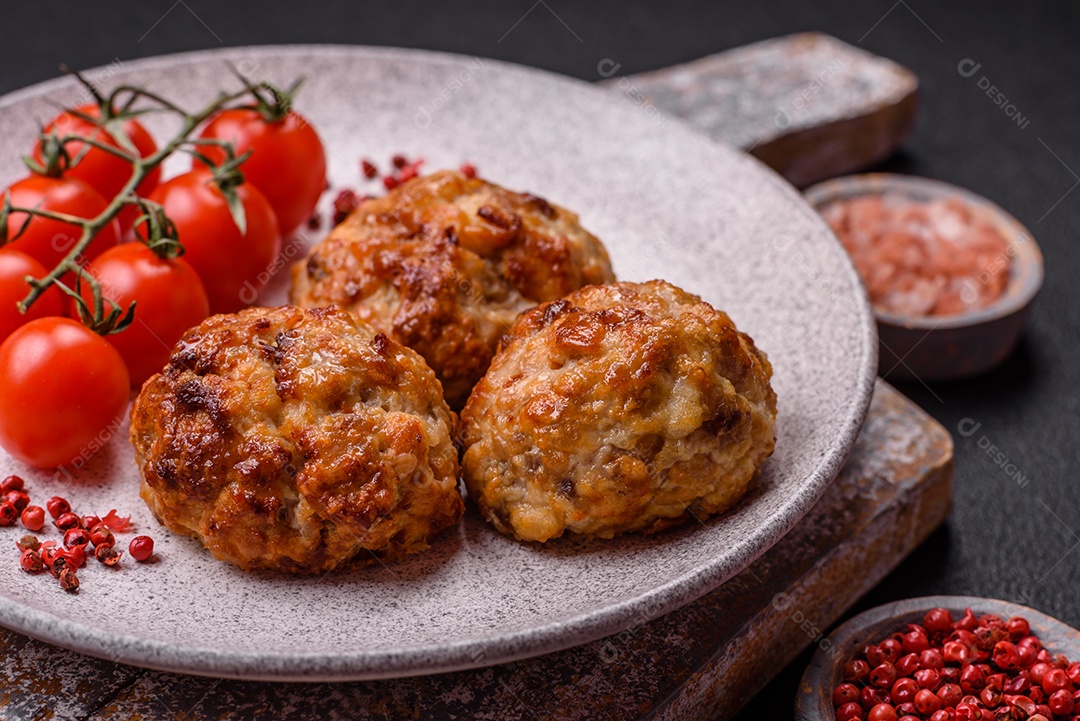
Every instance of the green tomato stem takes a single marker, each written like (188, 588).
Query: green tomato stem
(141, 168)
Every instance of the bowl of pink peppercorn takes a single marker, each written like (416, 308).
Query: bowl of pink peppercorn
(945, 658)
(950, 275)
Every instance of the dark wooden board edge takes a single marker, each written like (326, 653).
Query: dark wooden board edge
(861, 112)
(808, 156)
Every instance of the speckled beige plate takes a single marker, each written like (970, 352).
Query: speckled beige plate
(668, 202)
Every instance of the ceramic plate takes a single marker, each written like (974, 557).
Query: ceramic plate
(667, 202)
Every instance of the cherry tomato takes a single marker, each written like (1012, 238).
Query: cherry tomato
(169, 298)
(100, 169)
(47, 240)
(287, 163)
(62, 390)
(233, 267)
(14, 267)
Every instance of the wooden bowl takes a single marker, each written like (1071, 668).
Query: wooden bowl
(813, 702)
(948, 347)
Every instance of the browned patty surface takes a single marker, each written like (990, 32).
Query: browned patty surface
(444, 264)
(624, 407)
(297, 440)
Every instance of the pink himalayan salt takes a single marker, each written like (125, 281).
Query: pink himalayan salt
(934, 258)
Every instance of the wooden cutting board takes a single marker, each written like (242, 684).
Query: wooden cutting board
(808, 105)
(811, 107)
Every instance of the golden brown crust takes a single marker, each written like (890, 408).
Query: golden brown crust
(444, 264)
(297, 440)
(626, 407)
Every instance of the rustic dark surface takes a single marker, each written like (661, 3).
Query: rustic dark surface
(703, 661)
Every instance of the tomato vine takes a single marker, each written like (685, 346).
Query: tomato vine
(122, 103)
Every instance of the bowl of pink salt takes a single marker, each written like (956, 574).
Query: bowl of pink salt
(951, 276)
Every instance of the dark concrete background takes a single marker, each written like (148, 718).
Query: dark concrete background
(1005, 540)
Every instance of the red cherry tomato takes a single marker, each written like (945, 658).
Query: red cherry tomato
(14, 267)
(287, 163)
(233, 267)
(100, 169)
(47, 240)
(62, 390)
(169, 298)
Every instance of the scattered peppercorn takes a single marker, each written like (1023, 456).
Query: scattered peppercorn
(849, 712)
(882, 712)
(28, 543)
(344, 204)
(100, 535)
(908, 664)
(11, 483)
(76, 537)
(76, 556)
(389, 182)
(69, 581)
(59, 563)
(856, 670)
(410, 171)
(48, 553)
(30, 561)
(315, 221)
(399, 161)
(67, 521)
(57, 507)
(33, 518)
(1061, 702)
(18, 499)
(141, 548)
(972, 669)
(1018, 628)
(1073, 672)
(368, 169)
(116, 522)
(845, 693)
(83, 536)
(108, 555)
